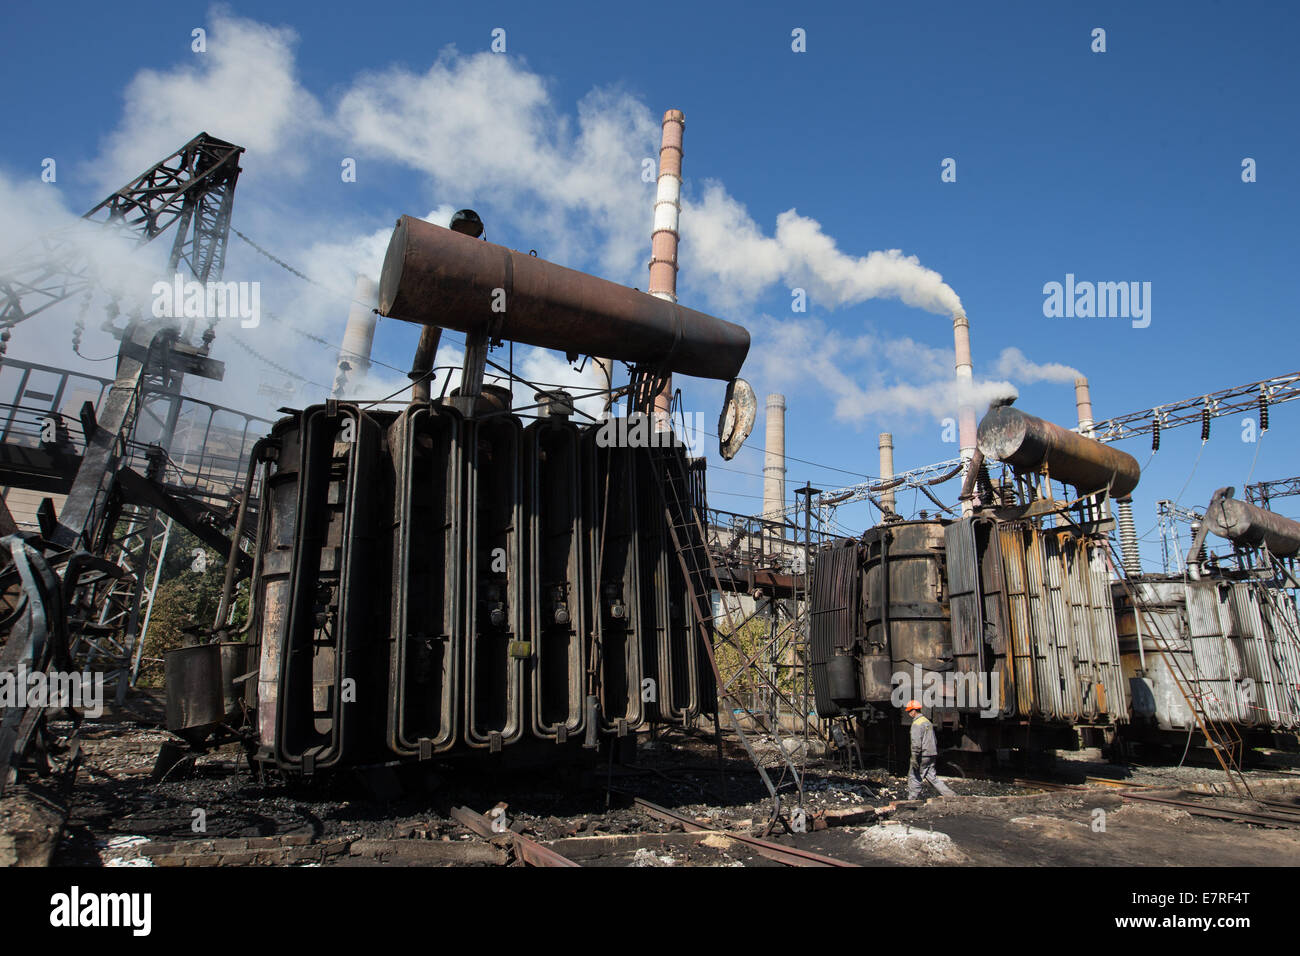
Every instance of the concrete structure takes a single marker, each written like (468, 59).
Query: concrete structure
(886, 446)
(358, 338)
(965, 385)
(774, 457)
(1083, 405)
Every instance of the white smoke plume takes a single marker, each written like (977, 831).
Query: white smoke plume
(487, 132)
(728, 252)
(1012, 363)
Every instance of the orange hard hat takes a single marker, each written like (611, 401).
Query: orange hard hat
(913, 705)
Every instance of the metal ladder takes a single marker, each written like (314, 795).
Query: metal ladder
(687, 534)
(1222, 738)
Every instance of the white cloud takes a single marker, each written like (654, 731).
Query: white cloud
(489, 132)
(244, 89)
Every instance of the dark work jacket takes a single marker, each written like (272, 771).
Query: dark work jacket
(923, 740)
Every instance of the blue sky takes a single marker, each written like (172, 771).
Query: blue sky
(1115, 166)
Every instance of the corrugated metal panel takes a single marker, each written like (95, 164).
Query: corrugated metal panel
(836, 591)
(1012, 543)
(1104, 634)
(964, 597)
(1215, 672)
(1258, 700)
(1284, 647)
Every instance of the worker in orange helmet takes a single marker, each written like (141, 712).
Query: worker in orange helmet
(925, 754)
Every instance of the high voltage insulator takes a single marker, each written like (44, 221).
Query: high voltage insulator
(1263, 411)
(1155, 434)
(1205, 423)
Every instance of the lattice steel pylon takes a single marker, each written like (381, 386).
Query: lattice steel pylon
(193, 188)
(192, 193)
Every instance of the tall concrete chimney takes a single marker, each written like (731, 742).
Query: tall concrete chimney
(886, 446)
(965, 398)
(965, 382)
(358, 337)
(774, 459)
(1083, 405)
(664, 236)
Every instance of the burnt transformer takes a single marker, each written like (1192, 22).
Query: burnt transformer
(1000, 623)
(1003, 630)
(426, 584)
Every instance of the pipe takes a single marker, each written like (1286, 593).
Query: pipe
(358, 337)
(774, 458)
(1244, 524)
(664, 237)
(435, 276)
(232, 559)
(1032, 444)
(886, 448)
(605, 375)
(421, 373)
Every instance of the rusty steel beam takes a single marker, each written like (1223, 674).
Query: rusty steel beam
(1220, 813)
(526, 849)
(790, 856)
(434, 276)
(1031, 444)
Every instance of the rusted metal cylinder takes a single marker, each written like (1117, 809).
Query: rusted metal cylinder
(1032, 444)
(1243, 523)
(434, 276)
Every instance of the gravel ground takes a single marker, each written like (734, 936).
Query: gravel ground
(117, 807)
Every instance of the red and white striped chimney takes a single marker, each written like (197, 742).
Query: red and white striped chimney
(664, 237)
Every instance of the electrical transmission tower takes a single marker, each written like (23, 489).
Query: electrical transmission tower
(190, 193)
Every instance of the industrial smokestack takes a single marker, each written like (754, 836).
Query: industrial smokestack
(774, 459)
(358, 337)
(1083, 405)
(886, 446)
(965, 392)
(664, 236)
(965, 385)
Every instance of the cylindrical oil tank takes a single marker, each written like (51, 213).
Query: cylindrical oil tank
(905, 597)
(194, 682)
(1242, 523)
(435, 276)
(1031, 444)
